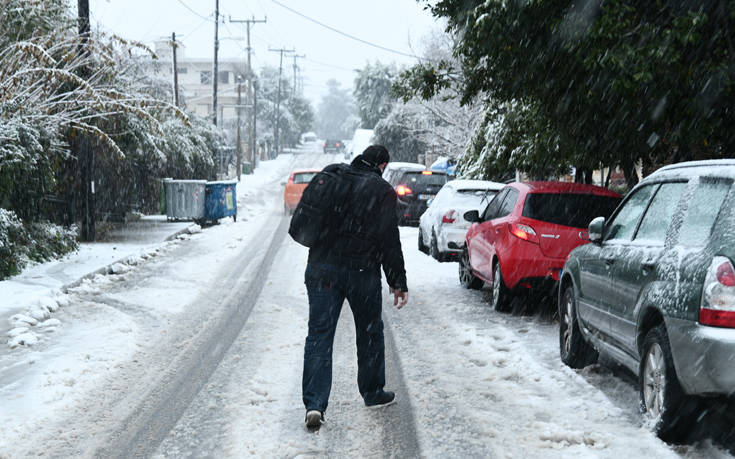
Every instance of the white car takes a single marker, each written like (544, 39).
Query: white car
(442, 228)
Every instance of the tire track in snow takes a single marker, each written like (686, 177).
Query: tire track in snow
(399, 425)
(140, 434)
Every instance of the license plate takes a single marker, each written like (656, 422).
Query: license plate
(426, 197)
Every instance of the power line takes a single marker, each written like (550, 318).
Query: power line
(196, 28)
(194, 12)
(329, 65)
(264, 40)
(344, 33)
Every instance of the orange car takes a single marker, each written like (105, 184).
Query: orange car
(295, 186)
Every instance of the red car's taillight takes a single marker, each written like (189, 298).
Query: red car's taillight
(403, 190)
(449, 217)
(718, 294)
(524, 232)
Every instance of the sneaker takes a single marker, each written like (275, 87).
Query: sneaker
(381, 398)
(314, 418)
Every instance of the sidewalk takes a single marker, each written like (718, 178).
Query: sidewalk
(35, 292)
(28, 299)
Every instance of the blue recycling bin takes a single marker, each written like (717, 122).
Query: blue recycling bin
(220, 200)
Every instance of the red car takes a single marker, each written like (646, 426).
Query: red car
(522, 239)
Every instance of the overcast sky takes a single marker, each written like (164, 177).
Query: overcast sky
(396, 24)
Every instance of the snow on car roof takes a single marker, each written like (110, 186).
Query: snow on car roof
(401, 165)
(725, 167)
(460, 184)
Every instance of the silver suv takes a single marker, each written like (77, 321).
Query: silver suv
(655, 290)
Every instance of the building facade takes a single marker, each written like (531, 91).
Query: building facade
(196, 85)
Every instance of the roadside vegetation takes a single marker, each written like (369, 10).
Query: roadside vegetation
(585, 84)
(56, 94)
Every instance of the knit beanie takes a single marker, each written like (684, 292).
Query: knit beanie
(376, 155)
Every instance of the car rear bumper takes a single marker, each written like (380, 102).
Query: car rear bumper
(291, 200)
(704, 357)
(529, 265)
(410, 211)
(451, 239)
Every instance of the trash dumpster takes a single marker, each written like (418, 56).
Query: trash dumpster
(184, 199)
(221, 200)
(247, 168)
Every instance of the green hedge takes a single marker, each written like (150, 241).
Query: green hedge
(36, 242)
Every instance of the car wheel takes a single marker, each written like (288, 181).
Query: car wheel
(662, 399)
(501, 295)
(434, 248)
(466, 278)
(575, 352)
(422, 246)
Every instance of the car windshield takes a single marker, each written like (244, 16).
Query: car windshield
(303, 177)
(568, 209)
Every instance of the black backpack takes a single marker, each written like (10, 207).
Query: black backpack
(322, 206)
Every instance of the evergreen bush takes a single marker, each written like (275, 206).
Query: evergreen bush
(35, 242)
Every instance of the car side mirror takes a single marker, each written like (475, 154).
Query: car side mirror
(283, 183)
(472, 216)
(594, 230)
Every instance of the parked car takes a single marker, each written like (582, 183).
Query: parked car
(414, 189)
(655, 290)
(333, 146)
(444, 164)
(393, 170)
(442, 227)
(519, 244)
(294, 188)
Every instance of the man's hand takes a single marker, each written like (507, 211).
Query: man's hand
(399, 294)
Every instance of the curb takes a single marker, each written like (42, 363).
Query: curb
(107, 269)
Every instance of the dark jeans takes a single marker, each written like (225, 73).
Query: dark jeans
(328, 286)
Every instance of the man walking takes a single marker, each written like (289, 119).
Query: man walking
(347, 266)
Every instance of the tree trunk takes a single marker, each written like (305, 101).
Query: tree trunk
(583, 175)
(631, 176)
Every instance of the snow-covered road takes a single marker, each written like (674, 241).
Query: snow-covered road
(197, 352)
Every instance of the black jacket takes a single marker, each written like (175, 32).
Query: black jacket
(367, 237)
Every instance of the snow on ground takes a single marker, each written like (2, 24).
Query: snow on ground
(479, 383)
(515, 405)
(72, 347)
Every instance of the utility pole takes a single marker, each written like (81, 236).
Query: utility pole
(175, 69)
(276, 133)
(83, 147)
(295, 68)
(249, 93)
(214, 69)
(239, 109)
(255, 130)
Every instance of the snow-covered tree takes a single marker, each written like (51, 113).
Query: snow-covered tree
(296, 114)
(52, 94)
(439, 124)
(402, 132)
(336, 107)
(373, 93)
